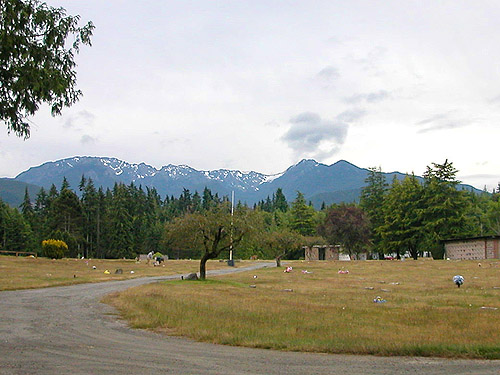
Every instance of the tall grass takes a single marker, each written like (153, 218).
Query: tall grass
(425, 313)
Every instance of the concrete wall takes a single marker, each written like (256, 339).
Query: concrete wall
(472, 249)
(313, 253)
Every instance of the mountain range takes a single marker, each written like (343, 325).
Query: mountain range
(339, 182)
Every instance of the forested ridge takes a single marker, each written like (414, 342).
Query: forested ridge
(405, 216)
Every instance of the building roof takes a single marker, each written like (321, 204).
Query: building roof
(493, 237)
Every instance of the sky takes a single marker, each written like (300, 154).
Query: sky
(260, 85)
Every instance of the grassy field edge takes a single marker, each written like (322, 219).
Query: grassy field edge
(324, 311)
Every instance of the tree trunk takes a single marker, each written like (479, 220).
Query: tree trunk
(203, 267)
(413, 251)
(278, 261)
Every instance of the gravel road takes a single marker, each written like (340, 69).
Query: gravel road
(66, 330)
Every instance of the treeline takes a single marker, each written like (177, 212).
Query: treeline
(114, 223)
(413, 217)
(406, 216)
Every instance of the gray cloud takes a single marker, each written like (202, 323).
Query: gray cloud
(310, 135)
(351, 115)
(272, 124)
(443, 121)
(495, 100)
(328, 73)
(327, 76)
(435, 118)
(87, 139)
(371, 97)
(371, 63)
(80, 119)
(445, 125)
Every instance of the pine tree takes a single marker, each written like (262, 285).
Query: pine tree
(119, 225)
(67, 218)
(208, 199)
(444, 216)
(279, 202)
(302, 216)
(15, 232)
(27, 208)
(196, 202)
(65, 184)
(90, 211)
(403, 229)
(372, 202)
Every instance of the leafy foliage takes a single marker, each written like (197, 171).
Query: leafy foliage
(214, 232)
(348, 226)
(55, 249)
(36, 66)
(280, 242)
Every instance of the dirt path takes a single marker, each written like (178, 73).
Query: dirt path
(66, 330)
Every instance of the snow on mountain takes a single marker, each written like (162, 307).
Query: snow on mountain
(106, 171)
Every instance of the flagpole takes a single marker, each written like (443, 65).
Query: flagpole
(231, 234)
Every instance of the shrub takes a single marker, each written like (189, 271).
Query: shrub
(54, 248)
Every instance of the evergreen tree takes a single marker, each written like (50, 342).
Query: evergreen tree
(279, 202)
(302, 216)
(82, 184)
(27, 208)
(90, 211)
(120, 225)
(185, 201)
(208, 199)
(267, 206)
(65, 184)
(15, 232)
(444, 216)
(67, 217)
(196, 202)
(372, 202)
(403, 229)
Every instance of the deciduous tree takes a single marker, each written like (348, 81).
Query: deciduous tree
(348, 226)
(38, 44)
(214, 232)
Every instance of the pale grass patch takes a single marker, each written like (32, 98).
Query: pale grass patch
(425, 313)
(28, 273)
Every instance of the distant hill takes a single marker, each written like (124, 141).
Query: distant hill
(339, 182)
(12, 191)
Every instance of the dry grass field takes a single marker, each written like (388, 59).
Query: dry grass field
(425, 314)
(28, 272)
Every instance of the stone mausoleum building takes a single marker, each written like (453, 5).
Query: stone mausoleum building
(319, 252)
(473, 248)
